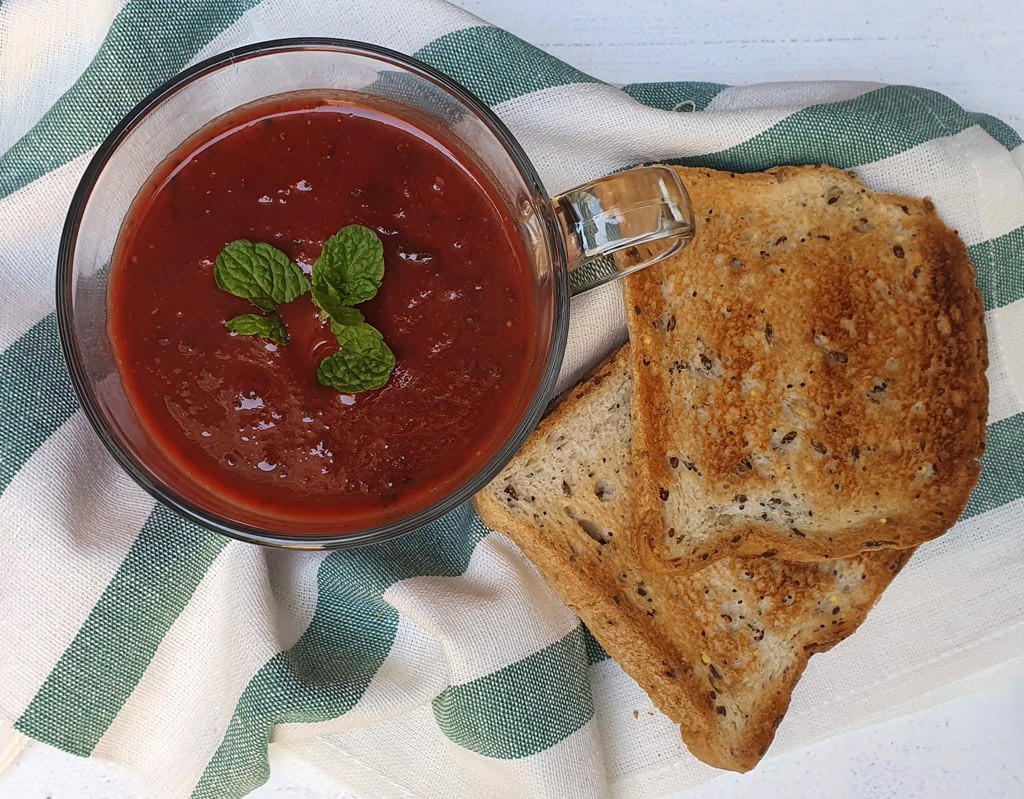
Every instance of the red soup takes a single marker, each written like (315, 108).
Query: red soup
(246, 420)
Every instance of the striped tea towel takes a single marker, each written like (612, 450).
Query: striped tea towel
(438, 665)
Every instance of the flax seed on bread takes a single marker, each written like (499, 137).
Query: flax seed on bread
(718, 651)
(809, 373)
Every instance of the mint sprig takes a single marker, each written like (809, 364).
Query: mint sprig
(364, 362)
(259, 273)
(349, 271)
(268, 327)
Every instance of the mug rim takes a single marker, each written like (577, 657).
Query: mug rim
(135, 467)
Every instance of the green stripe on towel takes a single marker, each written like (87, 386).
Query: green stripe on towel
(674, 95)
(1000, 263)
(1002, 467)
(497, 66)
(595, 652)
(524, 708)
(36, 396)
(846, 134)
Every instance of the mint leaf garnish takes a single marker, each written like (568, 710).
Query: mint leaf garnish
(259, 273)
(268, 327)
(346, 317)
(364, 362)
(349, 270)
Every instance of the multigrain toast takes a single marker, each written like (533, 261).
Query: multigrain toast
(718, 651)
(809, 373)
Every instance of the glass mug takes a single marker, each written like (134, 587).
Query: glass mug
(569, 240)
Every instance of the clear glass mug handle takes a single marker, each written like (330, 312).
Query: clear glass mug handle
(646, 205)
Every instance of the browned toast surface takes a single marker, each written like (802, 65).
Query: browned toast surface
(809, 373)
(719, 651)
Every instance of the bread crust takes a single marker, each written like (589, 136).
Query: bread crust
(716, 678)
(823, 348)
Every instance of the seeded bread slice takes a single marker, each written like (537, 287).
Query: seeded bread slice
(809, 373)
(718, 651)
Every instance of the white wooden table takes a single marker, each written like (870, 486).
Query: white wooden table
(972, 50)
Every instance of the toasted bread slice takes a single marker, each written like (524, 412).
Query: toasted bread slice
(718, 651)
(820, 351)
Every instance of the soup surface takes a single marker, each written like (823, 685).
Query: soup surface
(247, 418)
